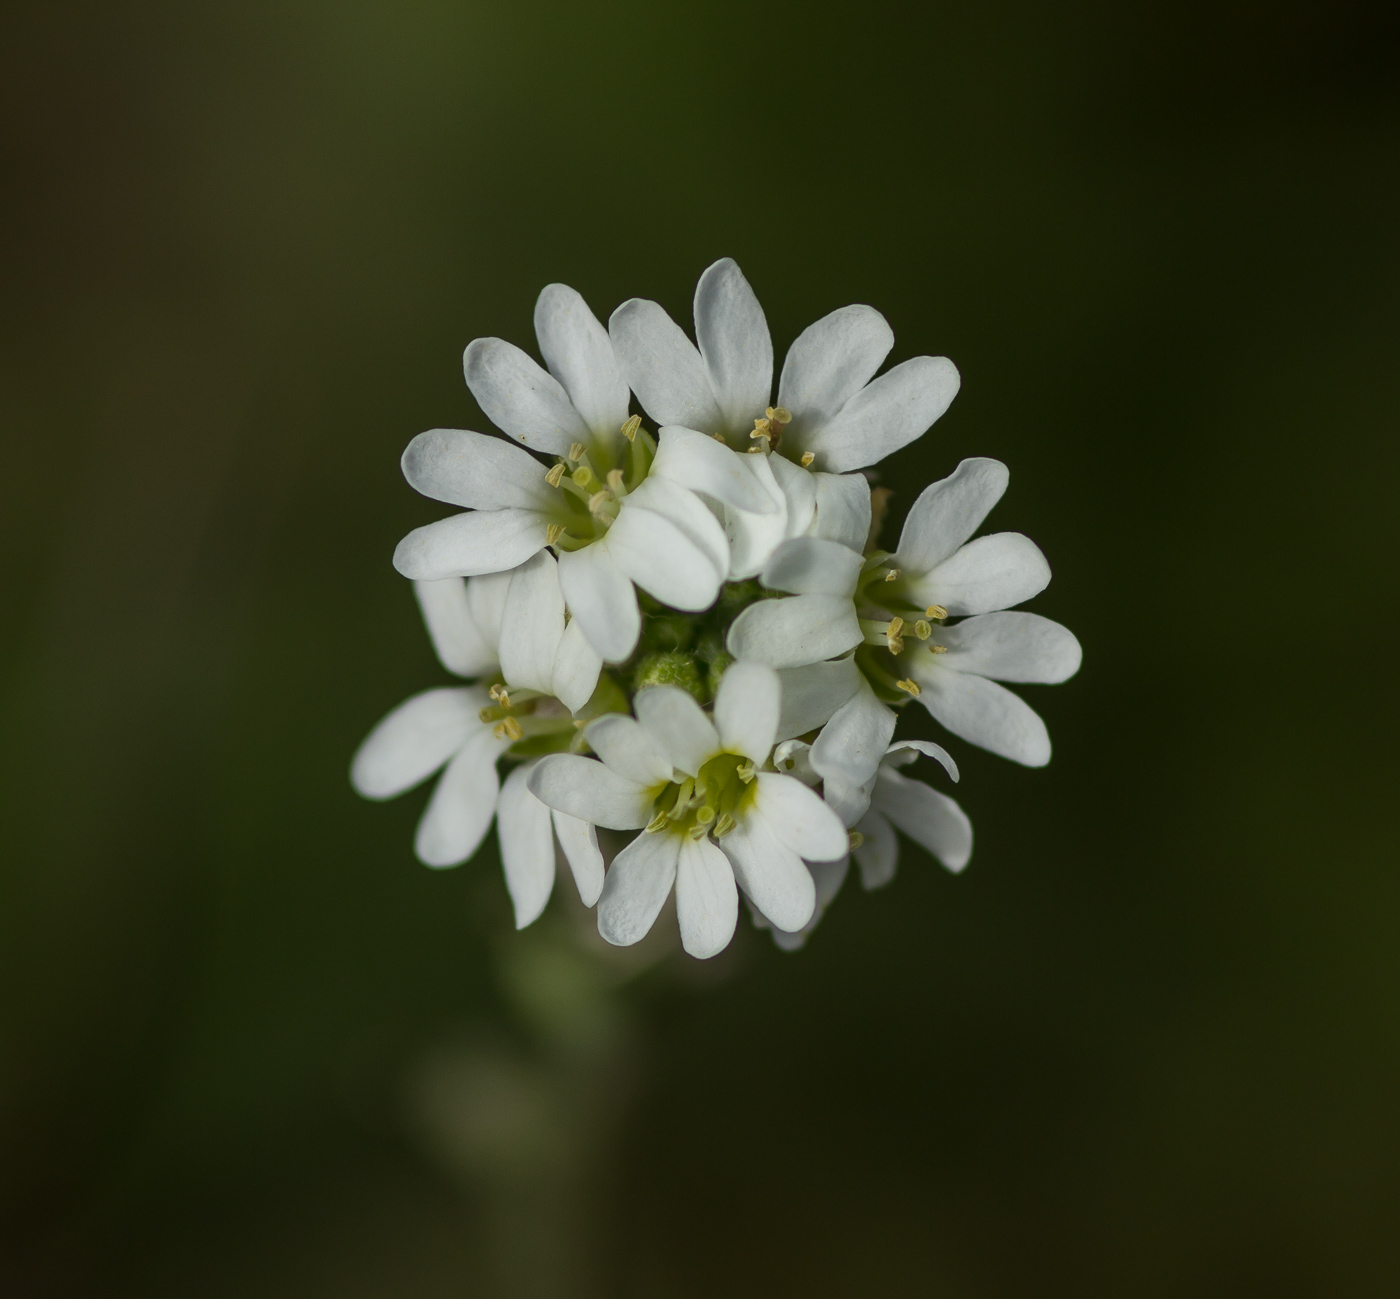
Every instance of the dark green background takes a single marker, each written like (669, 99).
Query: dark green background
(1148, 1044)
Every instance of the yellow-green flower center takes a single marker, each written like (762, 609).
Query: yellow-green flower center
(709, 803)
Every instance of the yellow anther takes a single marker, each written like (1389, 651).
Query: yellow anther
(937, 649)
(909, 686)
(891, 575)
(719, 437)
(556, 475)
(893, 639)
(629, 429)
(856, 839)
(807, 458)
(896, 626)
(746, 772)
(583, 476)
(922, 630)
(761, 429)
(753, 451)
(697, 831)
(779, 415)
(936, 611)
(895, 645)
(615, 482)
(657, 823)
(501, 695)
(724, 825)
(508, 729)
(576, 451)
(553, 533)
(597, 501)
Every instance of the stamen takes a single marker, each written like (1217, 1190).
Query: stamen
(719, 437)
(807, 458)
(910, 687)
(761, 429)
(509, 728)
(936, 611)
(698, 831)
(656, 824)
(891, 575)
(937, 649)
(922, 630)
(500, 694)
(598, 502)
(615, 483)
(576, 451)
(724, 825)
(893, 639)
(779, 415)
(856, 839)
(629, 429)
(553, 533)
(556, 475)
(746, 772)
(753, 451)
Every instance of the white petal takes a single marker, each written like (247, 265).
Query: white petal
(629, 749)
(689, 513)
(993, 572)
(746, 710)
(754, 537)
(520, 398)
(414, 740)
(585, 788)
(701, 464)
(486, 595)
(984, 713)
(678, 726)
(636, 888)
(879, 854)
(480, 541)
(827, 876)
(799, 818)
(532, 625)
(886, 414)
(813, 566)
(459, 644)
(707, 902)
(795, 630)
(799, 488)
(659, 557)
(906, 751)
(772, 874)
(460, 810)
(949, 511)
(793, 758)
(580, 843)
(576, 668)
(929, 818)
(601, 599)
(663, 367)
(811, 694)
(829, 362)
(475, 471)
(733, 336)
(842, 509)
(848, 752)
(1011, 647)
(579, 353)
(526, 832)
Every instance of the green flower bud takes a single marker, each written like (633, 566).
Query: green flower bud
(670, 668)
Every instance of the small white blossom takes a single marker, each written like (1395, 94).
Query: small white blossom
(712, 815)
(468, 729)
(618, 508)
(831, 415)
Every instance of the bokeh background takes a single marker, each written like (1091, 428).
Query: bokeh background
(1147, 1045)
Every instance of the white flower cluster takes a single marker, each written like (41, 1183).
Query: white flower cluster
(691, 636)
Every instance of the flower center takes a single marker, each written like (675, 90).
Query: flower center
(592, 483)
(708, 803)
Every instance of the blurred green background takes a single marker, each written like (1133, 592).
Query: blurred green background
(1148, 1044)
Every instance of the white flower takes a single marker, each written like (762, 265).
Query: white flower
(830, 415)
(686, 778)
(932, 820)
(617, 507)
(938, 573)
(466, 729)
